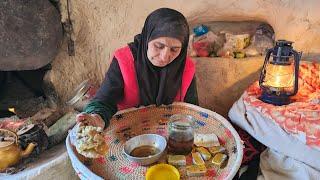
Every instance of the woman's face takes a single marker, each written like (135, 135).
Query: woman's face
(163, 50)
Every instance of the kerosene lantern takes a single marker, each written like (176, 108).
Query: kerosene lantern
(279, 76)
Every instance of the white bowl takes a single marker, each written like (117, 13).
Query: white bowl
(154, 140)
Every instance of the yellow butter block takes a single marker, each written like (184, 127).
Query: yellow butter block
(197, 159)
(204, 153)
(218, 159)
(217, 149)
(196, 170)
(177, 160)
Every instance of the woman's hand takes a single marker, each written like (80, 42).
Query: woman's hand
(90, 120)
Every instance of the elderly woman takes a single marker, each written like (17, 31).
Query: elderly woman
(154, 69)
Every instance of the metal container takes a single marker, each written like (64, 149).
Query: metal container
(155, 140)
(82, 95)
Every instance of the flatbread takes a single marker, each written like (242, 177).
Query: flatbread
(90, 142)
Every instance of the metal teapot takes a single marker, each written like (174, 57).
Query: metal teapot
(10, 151)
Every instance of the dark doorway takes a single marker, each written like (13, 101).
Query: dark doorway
(20, 89)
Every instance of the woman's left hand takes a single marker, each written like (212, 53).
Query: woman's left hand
(90, 119)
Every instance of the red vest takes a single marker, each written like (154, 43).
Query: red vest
(131, 89)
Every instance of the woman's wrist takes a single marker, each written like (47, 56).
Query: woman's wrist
(100, 122)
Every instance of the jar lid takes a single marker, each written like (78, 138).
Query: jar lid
(79, 92)
(181, 121)
(162, 171)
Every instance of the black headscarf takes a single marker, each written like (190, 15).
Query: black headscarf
(160, 85)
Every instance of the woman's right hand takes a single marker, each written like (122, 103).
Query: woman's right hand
(90, 120)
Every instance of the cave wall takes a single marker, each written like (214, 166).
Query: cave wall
(102, 26)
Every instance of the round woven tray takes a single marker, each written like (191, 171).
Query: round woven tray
(151, 119)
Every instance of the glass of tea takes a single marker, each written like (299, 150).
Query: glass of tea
(181, 133)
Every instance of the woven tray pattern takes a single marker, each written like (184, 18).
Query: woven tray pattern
(154, 120)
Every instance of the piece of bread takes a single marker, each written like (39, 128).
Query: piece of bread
(90, 142)
(177, 160)
(206, 140)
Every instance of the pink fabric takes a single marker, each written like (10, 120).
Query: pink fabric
(188, 73)
(128, 71)
(131, 89)
(301, 116)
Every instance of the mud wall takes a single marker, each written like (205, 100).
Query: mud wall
(102, 26)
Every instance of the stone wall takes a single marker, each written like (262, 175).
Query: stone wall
(102, 26)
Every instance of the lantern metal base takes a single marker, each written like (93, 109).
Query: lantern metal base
(275, 100)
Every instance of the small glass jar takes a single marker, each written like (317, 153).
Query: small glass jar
(181, 134)
(82, 95)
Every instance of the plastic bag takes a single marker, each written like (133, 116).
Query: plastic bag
(191, 51)
(263, 38)
(203, 45)
(234, 44)
(200, 30)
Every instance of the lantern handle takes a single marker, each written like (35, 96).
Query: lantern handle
(297, 58)
(263, 71)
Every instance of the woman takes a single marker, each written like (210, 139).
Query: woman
(154, 69)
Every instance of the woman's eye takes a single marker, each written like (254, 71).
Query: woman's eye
(174, 50)
(159, 46)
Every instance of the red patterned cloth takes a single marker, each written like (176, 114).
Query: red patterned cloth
(11, 123)
(302, 117)
(252, 148)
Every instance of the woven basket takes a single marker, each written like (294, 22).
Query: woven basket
(128, 123)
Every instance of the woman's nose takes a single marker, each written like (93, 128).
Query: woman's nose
(165, 54)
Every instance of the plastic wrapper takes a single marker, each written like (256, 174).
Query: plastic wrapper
(217, 149)
(177, 160)
(206, 140)
(218, 159)
(204, 153)
(191, 51)
(195, 170)
(234, 43)
(203, 45)
(197, 159)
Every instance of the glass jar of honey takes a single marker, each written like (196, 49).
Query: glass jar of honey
(181, 134)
